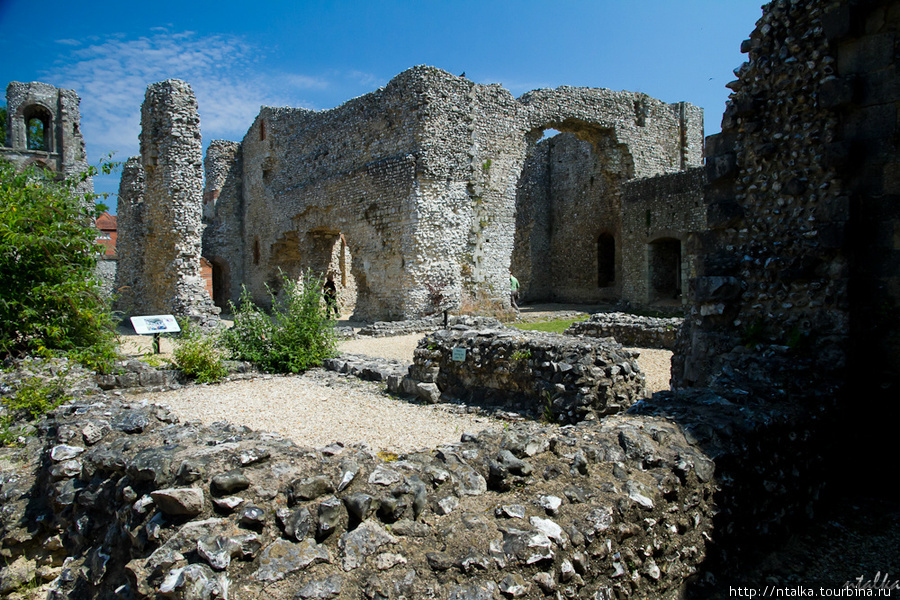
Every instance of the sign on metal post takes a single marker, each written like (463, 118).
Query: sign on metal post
(155, 325)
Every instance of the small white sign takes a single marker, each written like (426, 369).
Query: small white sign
(155, 324)
(459, 354)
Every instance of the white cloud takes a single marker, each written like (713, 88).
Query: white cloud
(112, 73)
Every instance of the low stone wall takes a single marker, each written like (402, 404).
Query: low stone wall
(112, 498)
(630, 330)
(410, 326)
(554, 376)
(127, 500)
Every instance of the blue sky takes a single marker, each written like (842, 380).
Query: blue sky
(238, 56)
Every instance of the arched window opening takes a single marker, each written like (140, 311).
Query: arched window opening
(606, 260)
(37, 128)
(665, 269)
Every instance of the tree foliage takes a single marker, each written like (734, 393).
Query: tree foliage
(50, 299)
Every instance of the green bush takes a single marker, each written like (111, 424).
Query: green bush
(34, 397)
(50, 299)
(295, 337)
(198, 355)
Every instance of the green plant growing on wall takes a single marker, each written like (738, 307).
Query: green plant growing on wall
(34, 397)
(547, 415)
(520, 355)
(486, 167)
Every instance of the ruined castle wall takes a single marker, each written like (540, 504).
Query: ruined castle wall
(172, 209)
(570, 243)
(347, 171)
(420, 178)
(865, 97)
(130, 243)
(59, 110)
(223, 236)
(774, 264)
(532, 243)
(667, 207)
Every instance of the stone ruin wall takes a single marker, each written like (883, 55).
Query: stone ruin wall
(420, 178)
(169, 228)
(223, 238)
(59, 109)
(570, 195)
(660, 213)
(800, 251)
(310, 177)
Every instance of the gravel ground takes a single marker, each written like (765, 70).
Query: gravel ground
(321, 407)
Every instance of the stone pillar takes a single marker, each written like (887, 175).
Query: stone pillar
(130, 238)
(172, 159)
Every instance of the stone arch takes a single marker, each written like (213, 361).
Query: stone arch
(664, 270)
(568, 196)
(38, 122)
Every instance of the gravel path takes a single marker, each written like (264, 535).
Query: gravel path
(321, 407)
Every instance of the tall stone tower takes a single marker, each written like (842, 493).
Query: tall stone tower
(162, 219)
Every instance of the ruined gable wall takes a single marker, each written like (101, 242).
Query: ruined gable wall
(666, 206)
(349, 170)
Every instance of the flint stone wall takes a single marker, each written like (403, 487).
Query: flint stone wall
(59, 109)
(572, 379)
(630, 330)
(420, 179)
(666, 208)
(123, 499)
(162, 220)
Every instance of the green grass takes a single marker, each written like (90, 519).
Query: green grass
(557, 326)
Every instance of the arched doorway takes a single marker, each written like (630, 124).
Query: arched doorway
(569, 215)
(38, 121)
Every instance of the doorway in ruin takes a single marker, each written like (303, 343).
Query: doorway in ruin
(606, 260)
(322, 252)
(221, 282)
(568, 213)
(664, 270)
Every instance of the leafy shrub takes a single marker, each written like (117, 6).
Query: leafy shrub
(295, 337)
(34, 397)
(50, 298)
(198, 355)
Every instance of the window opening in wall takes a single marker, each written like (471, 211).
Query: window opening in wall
(665, 270)
(37, 128)
(256, 251)
(262, 130)
(606, 260)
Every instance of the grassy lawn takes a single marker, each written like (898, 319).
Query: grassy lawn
(557, 326)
